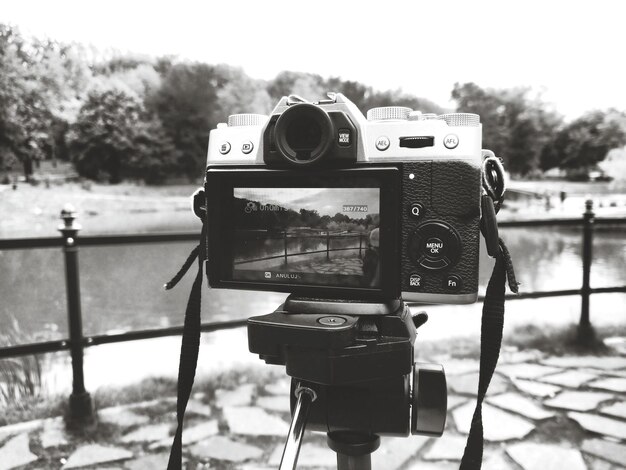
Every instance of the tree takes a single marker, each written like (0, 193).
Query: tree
(312, 87)
(186, 103)
(114, 137)
(586, 141)
(515, 126)
(24, 111)
(241, 94)
(40, 85)
(307, 85)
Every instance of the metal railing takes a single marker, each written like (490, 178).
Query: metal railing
(328, 250)
(80, 401)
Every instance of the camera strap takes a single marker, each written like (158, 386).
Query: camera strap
(189, 347)
(492, 322)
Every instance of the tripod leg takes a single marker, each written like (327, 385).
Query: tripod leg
(289, 460)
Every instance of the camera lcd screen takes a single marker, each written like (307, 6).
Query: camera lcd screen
(311, 236)
(324, 233)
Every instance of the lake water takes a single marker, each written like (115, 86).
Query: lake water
(121, 286)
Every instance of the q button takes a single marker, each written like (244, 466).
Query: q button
(416, 211)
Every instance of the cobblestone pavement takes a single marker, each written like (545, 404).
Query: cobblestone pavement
(542, 413)
(344, 266)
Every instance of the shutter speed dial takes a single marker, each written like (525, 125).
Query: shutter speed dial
(238, 120)
(387, 113)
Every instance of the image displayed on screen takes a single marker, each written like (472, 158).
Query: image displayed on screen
(311, 236)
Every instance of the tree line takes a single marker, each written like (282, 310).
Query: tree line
(149, 119)
(282, 218)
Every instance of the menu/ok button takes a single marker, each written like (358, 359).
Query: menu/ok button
(434, 248)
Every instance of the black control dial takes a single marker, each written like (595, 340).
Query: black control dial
(435, 245)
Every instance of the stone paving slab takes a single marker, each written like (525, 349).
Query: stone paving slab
(493, 461)
(616, 409)
(532, 456)
(223, 448)
(594, 463)
(94, 454)
(122, 416)
(280, 387)
(446, 447)
(594, 362)
(600, 424)
(250, 421)
(149, 433)
(536, 389)
(199, 408)
(570, 378)
(191, 435)
(16, 453)
(467, 384)
(241, 396)
(18, 428)
(611, 384)
(498, 425)
(526, 370)
(425, 465)
(311, 455)
(53, 433)
(276, 403)
(516, 356)
(395, 451)
(455, 400)
(518, 404)
(606, 450)
(149, 462)
(578, 401)
(459, 366)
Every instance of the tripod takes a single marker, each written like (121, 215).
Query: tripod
(353, 374)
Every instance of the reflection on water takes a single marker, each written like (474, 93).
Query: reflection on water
(121, 286)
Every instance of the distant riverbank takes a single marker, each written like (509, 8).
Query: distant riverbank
(33, 211)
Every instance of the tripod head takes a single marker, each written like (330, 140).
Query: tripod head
(355, 360)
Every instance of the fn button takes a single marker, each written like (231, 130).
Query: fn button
(452, 283)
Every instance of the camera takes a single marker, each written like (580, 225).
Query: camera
(319, 201)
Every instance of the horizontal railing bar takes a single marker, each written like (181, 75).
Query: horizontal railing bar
(295, 254)
(62, 345)
(561, 222)
(125, 239)
(560, 293)
(554, 293)
(27, 243)
(34, 348)
(100, 240)
(159, 333)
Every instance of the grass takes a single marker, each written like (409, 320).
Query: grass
(20, 377)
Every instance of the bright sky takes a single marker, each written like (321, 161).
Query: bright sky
(326, 201)
(570, 51)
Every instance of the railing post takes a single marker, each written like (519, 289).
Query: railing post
(585, 331)
(285, 240)
(360, 245)
(328, 245)
(81, 410)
